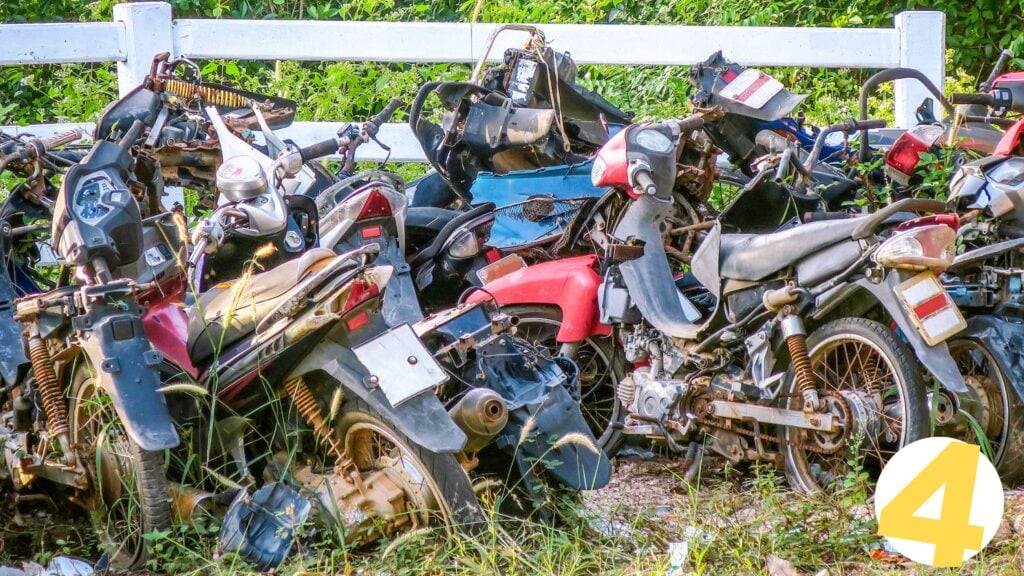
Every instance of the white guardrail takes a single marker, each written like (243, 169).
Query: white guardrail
(142, 29)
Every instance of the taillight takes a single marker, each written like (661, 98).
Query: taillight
(929, 247)
(377, 206)
(902, 159)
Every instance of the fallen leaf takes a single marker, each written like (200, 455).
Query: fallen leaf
(779, 567)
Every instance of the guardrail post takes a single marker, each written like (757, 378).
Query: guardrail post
(147, 32)
(923, 48)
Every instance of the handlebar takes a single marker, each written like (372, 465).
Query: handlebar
(1004, 57)
(645, 182)
(691, 123)
(848, 125)
(984, 99)
(319, 149)
(383, 116)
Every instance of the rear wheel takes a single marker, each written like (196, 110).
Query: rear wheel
(872, 386)
(128, 491)
(601, 366)
(435, 486)
(996, 413)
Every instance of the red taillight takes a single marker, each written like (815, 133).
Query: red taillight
(492, 255)
(902, 159)
(377, 206)
(951, 220)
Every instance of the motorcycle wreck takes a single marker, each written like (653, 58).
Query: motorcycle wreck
(777, 346)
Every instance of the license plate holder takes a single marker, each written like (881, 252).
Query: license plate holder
(402, 364)
(930, 308)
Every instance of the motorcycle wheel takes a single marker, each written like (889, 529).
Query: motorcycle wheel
(861, 365)
(128, 492)
(994, 407)
(435, 484)
(601, 366)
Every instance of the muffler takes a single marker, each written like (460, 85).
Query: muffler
(481, 414)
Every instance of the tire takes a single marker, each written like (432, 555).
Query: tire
(137, 500)
(904, 419)
(993, 405)
(443, 476)
(600, 404)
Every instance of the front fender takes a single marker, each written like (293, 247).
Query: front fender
(423, 418)
(125, 364)
(934, 358)
(570, 284)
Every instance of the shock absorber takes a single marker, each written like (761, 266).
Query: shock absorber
(795, 334)
(309, 408)
(49, 390)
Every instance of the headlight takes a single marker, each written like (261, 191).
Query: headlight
(464, 245)
(597, 171)
(925, 248)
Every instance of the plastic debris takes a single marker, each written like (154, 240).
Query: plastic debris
(59, 566)
(261, 528)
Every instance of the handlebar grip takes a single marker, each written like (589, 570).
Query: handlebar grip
(318, 150)
(983, 99)
(825, 216)
(132, 134)
(1004, 57)
(691, 123)
(386, 114)
(61, 138)
(867, 125)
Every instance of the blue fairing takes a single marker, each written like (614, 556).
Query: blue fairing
(509, 191)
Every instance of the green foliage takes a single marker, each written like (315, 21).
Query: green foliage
(346, 90)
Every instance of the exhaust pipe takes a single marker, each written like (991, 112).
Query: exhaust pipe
(189, 504)
(481, 414)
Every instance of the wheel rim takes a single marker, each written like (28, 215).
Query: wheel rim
(858, 370)
(114, 500)
(598, 400)
(987, 402)
(373, 446)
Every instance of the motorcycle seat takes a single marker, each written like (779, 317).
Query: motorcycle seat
(753, 257)
(226, 313)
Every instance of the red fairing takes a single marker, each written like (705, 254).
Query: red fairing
(1010, 140)
(616, 164)
(571, 284)
(1010, 77)
(166, 325)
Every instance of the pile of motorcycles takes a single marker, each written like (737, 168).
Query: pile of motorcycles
(563, 282)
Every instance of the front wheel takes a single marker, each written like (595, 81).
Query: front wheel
(128, 493)
(872, 386)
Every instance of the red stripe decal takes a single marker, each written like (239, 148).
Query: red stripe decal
(754, 86)
(931, 305)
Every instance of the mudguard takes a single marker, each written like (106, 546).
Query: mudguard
(423, 418)
(1005, 341)
(935, 359)
(545, 423)
(649, 278)
(125, 364)
(570, 284)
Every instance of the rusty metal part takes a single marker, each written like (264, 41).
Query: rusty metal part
(700, 405)
(481, 414)
(363, 503)
(189, 503)
(309, 408)
(50, 392)
(189, 90)
(773, 415)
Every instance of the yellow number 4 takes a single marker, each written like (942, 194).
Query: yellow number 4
(955, 468)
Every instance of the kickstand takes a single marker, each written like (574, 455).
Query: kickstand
(692, 462)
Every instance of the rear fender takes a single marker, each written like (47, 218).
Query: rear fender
(126, 369)
(1005, 341)
(570, 284)
(423, 418)
(935, 359)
